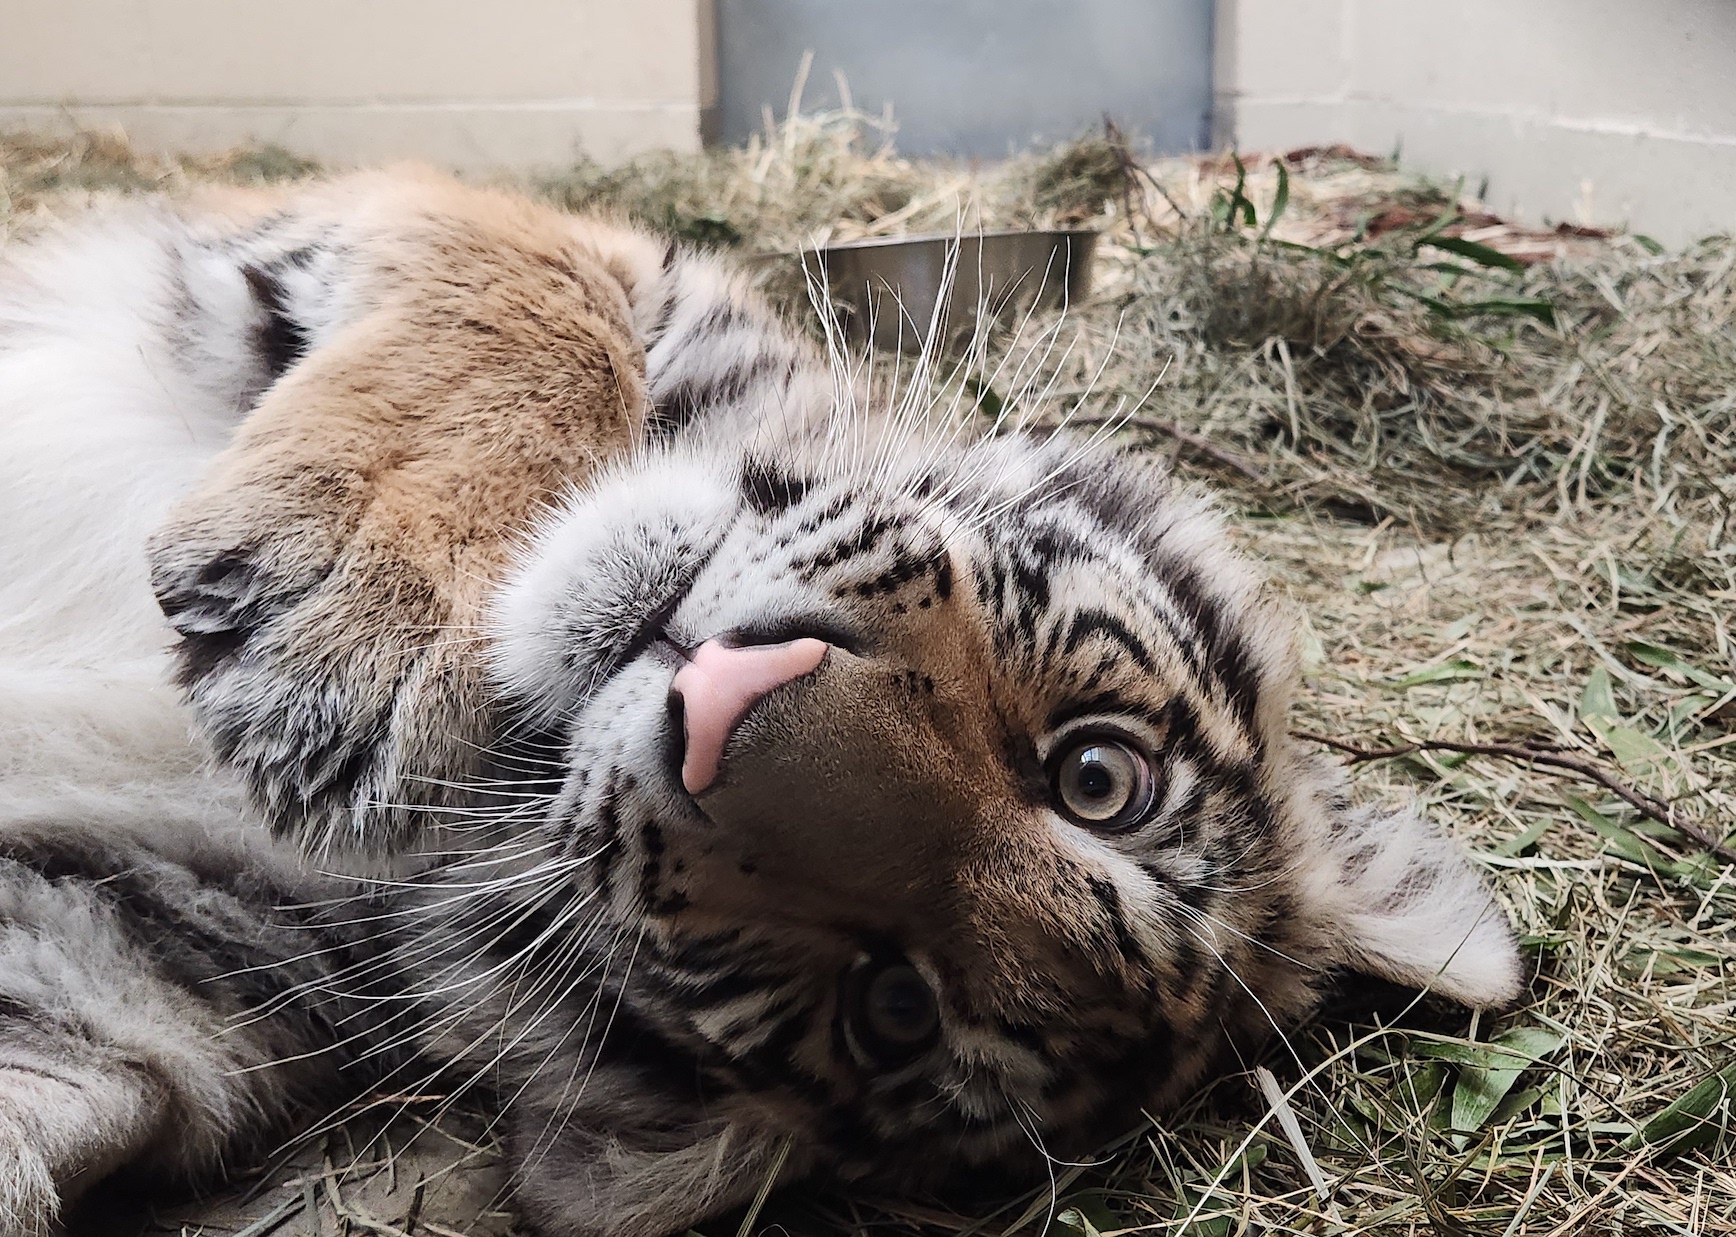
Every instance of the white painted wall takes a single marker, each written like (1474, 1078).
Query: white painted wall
(468, 83)
(1595, 111)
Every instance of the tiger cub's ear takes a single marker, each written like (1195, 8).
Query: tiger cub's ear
(1392, 896)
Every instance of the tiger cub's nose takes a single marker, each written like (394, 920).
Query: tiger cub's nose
(720, 684)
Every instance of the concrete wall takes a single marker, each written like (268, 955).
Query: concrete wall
(975, 77)
(470, 83)
(1596, 111)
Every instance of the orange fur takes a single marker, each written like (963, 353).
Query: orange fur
(384, 481)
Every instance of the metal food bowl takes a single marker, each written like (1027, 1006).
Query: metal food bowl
(887, 289)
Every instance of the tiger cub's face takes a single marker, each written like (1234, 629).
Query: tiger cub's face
(945, 797)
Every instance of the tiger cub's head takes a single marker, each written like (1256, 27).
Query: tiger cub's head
(945, 801)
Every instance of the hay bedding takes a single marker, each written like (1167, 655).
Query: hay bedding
(1495, 467)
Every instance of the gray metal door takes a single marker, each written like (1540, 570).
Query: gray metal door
(975, 77)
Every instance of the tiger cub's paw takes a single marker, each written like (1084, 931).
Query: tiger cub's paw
(329, 574)
(327, 642)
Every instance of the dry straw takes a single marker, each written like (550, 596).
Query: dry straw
(1494, 468)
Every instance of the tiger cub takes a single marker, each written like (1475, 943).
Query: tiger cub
(447, 642)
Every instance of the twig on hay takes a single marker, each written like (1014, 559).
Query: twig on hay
(1171, 429)
(1646, 805)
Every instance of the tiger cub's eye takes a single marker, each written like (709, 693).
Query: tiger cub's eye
(1102, 783)
(892, 1012)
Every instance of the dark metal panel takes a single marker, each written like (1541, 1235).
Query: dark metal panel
(975, 77)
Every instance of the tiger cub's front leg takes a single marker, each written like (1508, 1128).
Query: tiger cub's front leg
(329, 574)
(132, 974)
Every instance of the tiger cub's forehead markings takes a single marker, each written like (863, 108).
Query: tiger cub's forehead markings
(1070, 598)
(1078, 605)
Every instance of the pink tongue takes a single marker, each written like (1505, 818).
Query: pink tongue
(720, 684)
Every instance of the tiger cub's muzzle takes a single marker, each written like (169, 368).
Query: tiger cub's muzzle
(848, 776)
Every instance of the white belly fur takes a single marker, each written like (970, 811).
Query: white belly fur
(110, 405)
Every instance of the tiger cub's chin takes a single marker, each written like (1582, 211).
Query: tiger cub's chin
(950, 799)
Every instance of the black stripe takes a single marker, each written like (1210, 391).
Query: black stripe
(1109, 901)
(711, 951)
(1228, 657)
(1088, 623)
(660, 325)
(607, 835)
(280, 340)
(863, 540)
(677, 406)
(630, 1041)
(706, 991)
(674, 410)
(217, 929)
(906, 566)
(770, 490)
(1109, 702)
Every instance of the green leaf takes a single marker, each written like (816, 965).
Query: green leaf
(1442, 222)
(1074, 1220)
(1661, 658)
(1519, 843)
(1458, 269)
(1423, 1086)
(1090, 1214)
(1677, 961)
(1623, 843)
(1446, 672)
(1337, 259)
(1482, 255)
(1648, 244)
(1516, 1103)
(1537, 942)
(1627, 844)
(1237, 210)
(1455, 1051)
(988, 400)
(1500, 306)
(1483, 1084)
(1216, 1212)
(1531, 1043)
(1598, 698)
(1692, 1119)
(1280, 200)
(1215, 1218)
(1633, 751)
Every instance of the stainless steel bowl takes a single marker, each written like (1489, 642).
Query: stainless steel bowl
(887, 289)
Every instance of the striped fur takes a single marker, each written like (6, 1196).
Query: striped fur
(436, 489)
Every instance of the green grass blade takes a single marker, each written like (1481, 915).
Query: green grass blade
(1482, 255)
(1280, 200)
(1693, 1119)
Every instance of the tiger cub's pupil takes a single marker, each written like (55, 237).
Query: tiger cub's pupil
(1103, 784)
